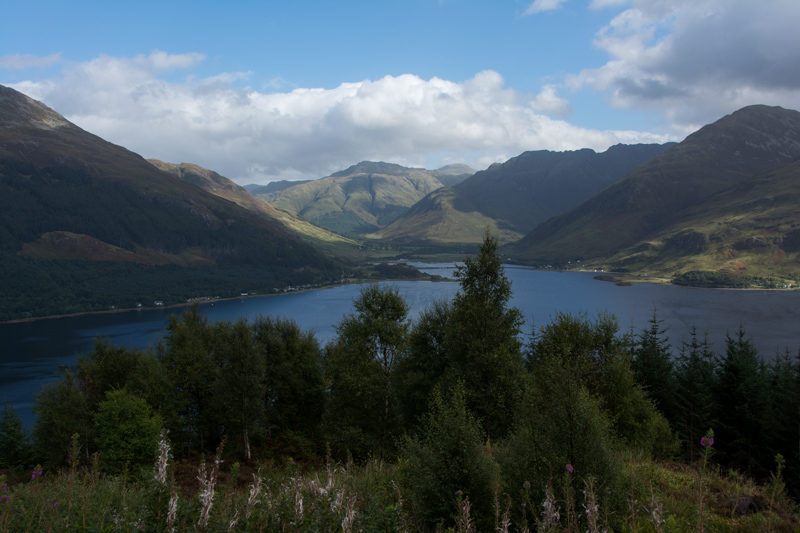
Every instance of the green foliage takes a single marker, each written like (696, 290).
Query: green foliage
(238, 396)
(15, 447)
(447, 460)
(293, 381)
(695, 379)
(483, 337)
(742, 407)
(597, 357)
(560, 423)
(187, 358)
(61, 411)
(653, 368)
(360, 367)
(127, 431)
(709, 279)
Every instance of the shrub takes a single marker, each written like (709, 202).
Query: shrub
(127, 431)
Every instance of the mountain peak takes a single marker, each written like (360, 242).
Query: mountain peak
(17, 109)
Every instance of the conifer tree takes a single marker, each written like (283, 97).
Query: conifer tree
(653, 368)
(742, 408)
(694, 400)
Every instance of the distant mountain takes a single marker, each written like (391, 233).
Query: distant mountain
(223, 187)
(516, 195)
(85, 224)
(270, 190)
(727, 188)
(364, 197)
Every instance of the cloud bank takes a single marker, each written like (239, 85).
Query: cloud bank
(254, 136)
(693, 61)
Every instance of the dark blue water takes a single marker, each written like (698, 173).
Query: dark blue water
(31, 352)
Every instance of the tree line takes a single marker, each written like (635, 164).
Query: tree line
(454, 399)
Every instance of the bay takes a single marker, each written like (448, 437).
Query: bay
(32, 352)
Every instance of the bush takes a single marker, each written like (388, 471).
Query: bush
(127, 432)
(446, 462)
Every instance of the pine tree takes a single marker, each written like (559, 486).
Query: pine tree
(742, 408)
(653, 368)
(694, 376)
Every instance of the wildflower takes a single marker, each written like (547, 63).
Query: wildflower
(707, 442)
(526, 485)
(459, 493)
(570, 469)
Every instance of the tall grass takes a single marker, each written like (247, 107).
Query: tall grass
(349, 498)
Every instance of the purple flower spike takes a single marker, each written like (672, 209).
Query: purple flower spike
(526, 485)
(707, 442)
(570, 469)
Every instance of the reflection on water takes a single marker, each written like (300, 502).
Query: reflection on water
(32, 352)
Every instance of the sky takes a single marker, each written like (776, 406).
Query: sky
(267, 90)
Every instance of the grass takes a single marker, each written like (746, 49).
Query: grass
(282, 495)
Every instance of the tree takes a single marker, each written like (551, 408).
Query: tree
(653, 368)
(448, 458)
(240, 379)
(742, 407)
(426, 362)
(127, 431)
(360, 366)
(593, 354)
(483, 339)
(15, 448)
(293, 388)
(694, 399)
(61, 410)
(187, 357)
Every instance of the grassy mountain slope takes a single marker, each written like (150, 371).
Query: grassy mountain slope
(658, 194)
(516, 195)
(443, 217)
(69, 196)
(750, 228)
(221, 186)
(359, 199)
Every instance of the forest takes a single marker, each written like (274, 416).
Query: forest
(446, 422)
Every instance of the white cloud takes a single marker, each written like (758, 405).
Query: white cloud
(540, 6)
(26, 61)
(254, 136)
(696, 60)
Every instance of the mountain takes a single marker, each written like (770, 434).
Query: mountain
(85, 224)
(223, 187)
(708, 189)
(270, 190)
(364, 197)
(513, 197)
(443, 217)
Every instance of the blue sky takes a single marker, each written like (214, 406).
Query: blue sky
(287, 90)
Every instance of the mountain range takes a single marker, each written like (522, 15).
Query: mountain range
(87, 225)
(364, 197)
(723, 199)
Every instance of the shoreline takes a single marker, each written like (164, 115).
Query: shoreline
(187, 304)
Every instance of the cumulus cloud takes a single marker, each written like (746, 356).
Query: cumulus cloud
(696, 60)
(540, 6)
(254, 136)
